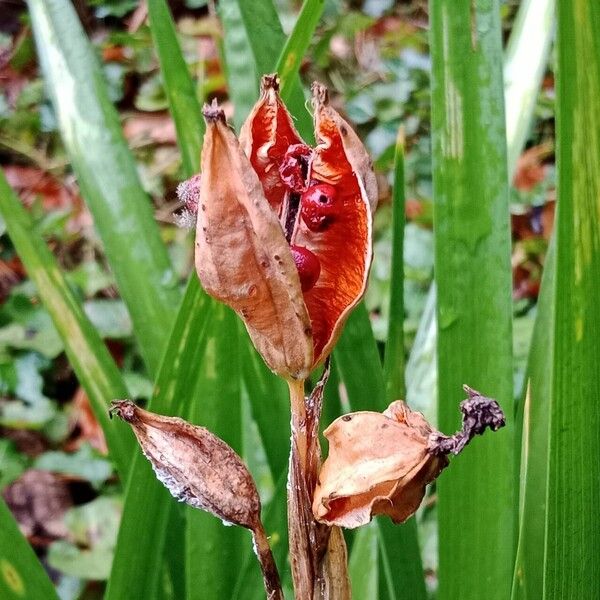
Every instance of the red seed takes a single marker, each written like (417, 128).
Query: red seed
(308, 265)
(318, 206)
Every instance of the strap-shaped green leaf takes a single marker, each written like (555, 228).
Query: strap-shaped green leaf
(473, 276)
(87, 353)
(106, 173)
(572, 548)
(21, 574)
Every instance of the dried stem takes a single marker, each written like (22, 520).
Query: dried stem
(315, 577)
(479, 413)
(267, 564)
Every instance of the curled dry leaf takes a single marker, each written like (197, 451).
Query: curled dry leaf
(197, 467)
(381, 463)
(284, 230)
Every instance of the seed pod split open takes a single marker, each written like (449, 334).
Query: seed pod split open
(284, 231)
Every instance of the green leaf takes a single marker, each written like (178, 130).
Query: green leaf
(268, 396)
(572, 548)
(297, 44)
(525, 63)
(181, 92)
(213, 550)
(362, 568)
(393, 366)
(21, 574)
(87, 353)
(106, 173)
(473, 276)
(242, 79)
(141, 541)
(357, 359)
(267, 41)
(533, 421)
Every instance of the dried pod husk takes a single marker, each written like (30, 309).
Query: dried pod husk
(343, 245)
(377, 464)
(197, 467)
(242, 256)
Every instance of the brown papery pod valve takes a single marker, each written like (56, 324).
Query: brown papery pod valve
(242, 256)
(283, 233)
(201, 470)
(382, 463)
(195, 465)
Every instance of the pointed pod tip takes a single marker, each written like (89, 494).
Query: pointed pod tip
(320, 94)
(124, 409)
(269, 82)
(213, 112)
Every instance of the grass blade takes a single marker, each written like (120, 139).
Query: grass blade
(107, 174)
(180, 89)
(21, 574)
(472, 265)
(242, 79)
(572, 549)
(535, 422)
(214, 551)
(400, 556)
(297, 44)
(267, 41)
(86, 351)
(141, 541)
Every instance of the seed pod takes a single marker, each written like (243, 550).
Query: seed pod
(342, 241)
(377, 464)
(242, 256)
(381, 463)
(197, 467)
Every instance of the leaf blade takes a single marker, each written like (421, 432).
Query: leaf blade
(472, 265)
(21, 574)
(106, 173)
(572, 549)
(86, 351)
(181, 93)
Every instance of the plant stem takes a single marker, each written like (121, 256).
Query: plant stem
(267, 564)
(298, 525)
(318, 558)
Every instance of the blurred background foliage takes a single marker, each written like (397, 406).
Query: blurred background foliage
(374, 54)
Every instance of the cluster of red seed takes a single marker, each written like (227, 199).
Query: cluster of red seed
(318, 209)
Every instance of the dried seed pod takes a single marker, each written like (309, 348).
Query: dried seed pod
(194, 465)
(242, 256)
(381, 463)
(377, 464)
(339, 163)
